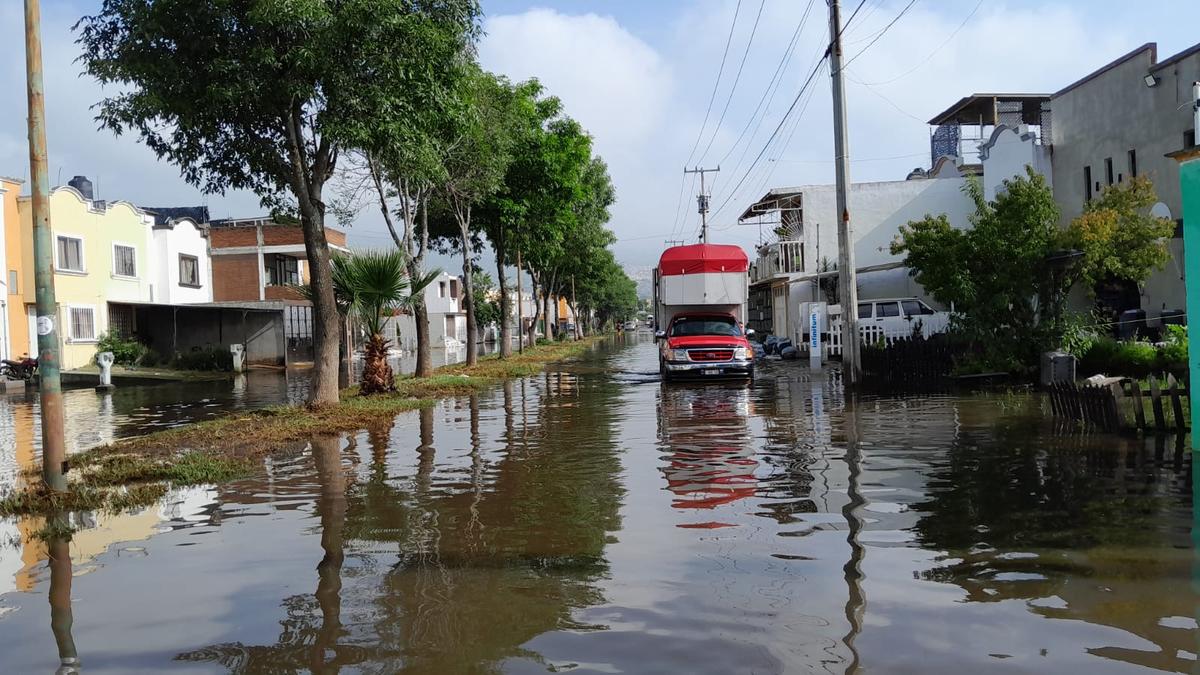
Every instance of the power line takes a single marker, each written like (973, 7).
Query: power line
(881, 34)
(807, 83)
(711, 99)
(773, 85)
(931, 54)
(737, 78)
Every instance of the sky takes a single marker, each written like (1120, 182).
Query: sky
(645, 78)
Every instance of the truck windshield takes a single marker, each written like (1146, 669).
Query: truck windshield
(708, 325)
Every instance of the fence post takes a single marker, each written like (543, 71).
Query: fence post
(1160, 420)
(1176, 403)
(1139, 408)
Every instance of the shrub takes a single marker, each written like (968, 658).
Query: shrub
(1135, 359)
(1100, 357)
(126, 351)
(1173, 355)
(205, 359)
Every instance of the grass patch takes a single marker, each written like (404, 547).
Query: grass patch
(136, 472)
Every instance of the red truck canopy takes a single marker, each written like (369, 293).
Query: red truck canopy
(700, 258)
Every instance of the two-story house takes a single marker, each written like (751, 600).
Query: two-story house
(14, 338)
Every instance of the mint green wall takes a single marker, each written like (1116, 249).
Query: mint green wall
(1189, 179)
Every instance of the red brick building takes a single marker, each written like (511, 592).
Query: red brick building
(258, 259)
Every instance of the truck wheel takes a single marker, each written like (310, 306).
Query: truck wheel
(663, 372)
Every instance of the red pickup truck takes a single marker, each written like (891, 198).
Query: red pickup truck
(703, 344)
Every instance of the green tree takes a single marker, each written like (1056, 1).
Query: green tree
(487, 306)
(1118, 236)
(264, 95)
(996, 273)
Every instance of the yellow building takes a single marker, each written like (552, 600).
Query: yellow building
(14, 336)
(101, 267)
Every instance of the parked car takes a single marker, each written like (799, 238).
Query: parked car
(631, 325)
(899, 317)
(697, 344)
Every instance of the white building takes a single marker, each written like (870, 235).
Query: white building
(784, 273)
(180, 267)
(447, 316)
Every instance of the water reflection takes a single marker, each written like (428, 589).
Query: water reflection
(536, 527)
(61, 618)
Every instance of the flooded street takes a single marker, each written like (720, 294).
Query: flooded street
(593, 520)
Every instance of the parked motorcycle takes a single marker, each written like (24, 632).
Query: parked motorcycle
(24, 369)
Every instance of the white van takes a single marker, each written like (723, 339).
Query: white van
(900, 317)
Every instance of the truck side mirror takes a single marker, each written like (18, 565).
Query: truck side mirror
(659, 335)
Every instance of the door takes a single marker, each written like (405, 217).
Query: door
(31, 322)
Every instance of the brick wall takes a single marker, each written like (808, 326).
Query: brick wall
(229, 237)
(282, 235)
(282, 293)
(235, 277)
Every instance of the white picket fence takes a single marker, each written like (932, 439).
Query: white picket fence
(871, 333)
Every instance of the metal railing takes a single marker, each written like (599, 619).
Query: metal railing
(781, 257)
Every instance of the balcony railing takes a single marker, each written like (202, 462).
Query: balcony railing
(778, 259)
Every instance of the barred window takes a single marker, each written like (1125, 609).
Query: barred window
(82, 322)
(124, 260)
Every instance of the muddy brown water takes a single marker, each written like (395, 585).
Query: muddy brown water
(592, 520)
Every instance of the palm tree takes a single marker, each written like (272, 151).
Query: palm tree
(372, 286)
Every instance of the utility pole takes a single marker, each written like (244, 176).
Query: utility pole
(847, 283)
(54, 453)
(520, 306)
(702, 200)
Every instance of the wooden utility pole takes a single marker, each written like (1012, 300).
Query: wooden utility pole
(520, 308)
(54, 455)
(847, 283)
(702, 201)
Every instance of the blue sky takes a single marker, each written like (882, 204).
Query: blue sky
(639, 75)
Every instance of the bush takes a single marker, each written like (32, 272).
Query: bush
(205, 359)
(126, 352)
(1173, 355)
(1135, 359)
(1100, 357)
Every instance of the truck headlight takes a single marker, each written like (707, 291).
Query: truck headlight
(743, 353)
(679, 355)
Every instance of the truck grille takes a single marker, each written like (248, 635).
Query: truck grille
(706, 355)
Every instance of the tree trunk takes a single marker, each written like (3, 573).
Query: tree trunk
(468, 295)
(505, 311)
(306, 183)
(537, 308)
(424, 367)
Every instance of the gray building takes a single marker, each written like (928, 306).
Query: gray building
(1118, 122)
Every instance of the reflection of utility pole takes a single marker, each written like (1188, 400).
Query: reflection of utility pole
(702, 201)
(846, 278)
(856, 598)
(54, 453)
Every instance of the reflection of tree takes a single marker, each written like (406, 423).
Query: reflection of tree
(1094, 523)
(491, 555)
(310, 635)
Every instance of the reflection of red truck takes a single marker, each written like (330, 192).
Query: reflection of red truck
(699, 309)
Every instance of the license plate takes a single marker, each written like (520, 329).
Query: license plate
(711, 371)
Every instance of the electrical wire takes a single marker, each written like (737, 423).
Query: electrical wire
(773, 85)
(880, 35)
(707, 112)
(939, 48)
(737, 78)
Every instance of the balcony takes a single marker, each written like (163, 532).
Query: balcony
(778, 259)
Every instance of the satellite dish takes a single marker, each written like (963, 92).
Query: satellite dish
(1161, 210)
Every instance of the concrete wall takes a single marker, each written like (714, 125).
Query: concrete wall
(877, 211)
(1007, 153)
(174, 330)
(1111, 112)
(14, 340)
(183, 237)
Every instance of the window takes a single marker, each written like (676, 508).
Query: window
(1132, 163)
(1087, 183)
(886, 309)
(124, 260)
(441, 289)
(864, 310)
(915, 308)
(688, 326)
(454, 288)
(13, 278)
(284, 271)
(1108, 170)
(70, 254)
(81, 323)
(189, 271)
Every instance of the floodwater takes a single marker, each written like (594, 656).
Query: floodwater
(592, 520)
